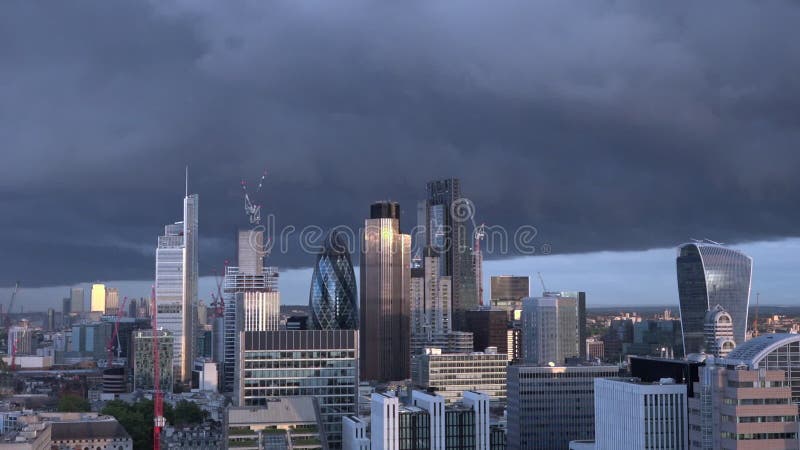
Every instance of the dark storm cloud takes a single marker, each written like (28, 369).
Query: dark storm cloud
(606, 124)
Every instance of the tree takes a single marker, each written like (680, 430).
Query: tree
(187, 412)
(73, 403)
(137, 419)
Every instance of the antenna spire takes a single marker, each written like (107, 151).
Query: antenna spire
(187, 180)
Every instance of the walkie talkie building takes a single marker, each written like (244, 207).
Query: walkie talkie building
(711, 274)
(333, 299)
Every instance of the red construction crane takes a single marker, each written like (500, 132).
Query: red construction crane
(158, 400)
(6, 321)
(115, 334)
(217, 301)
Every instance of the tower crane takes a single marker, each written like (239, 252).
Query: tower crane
(115, 334)
(480, 233)
(253, 210)
(541, 280)
(6, 321)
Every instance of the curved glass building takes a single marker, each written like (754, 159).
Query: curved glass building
(333, 299)
(711, 274)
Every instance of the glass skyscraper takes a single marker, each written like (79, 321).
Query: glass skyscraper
(333, 297)
(710, 274)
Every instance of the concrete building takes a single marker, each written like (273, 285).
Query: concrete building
(550, 406)
(631, 415)
(718, 329)
(451, 374)
(550, 330)
(205, 376)
(280, 424)
(595, 349)
(321, 363)
(143, 361)
(778, 351)
(77, 297)
(425, 422)
(385, 272)
(20, 339)
(111, 304)
(66, 431)
(507, 291)
(354, 434)
(739, 407)
(98, 300)
(176, 285)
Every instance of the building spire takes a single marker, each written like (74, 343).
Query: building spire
(187, 181)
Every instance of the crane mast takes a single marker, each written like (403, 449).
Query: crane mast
(158, 400)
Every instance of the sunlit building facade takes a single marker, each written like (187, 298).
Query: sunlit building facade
(711, 274)
(98, 299)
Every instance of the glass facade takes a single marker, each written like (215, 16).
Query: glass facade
(708, 275)
(415, 430)
(333, 297)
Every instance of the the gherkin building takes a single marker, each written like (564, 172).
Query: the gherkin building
(333, 299)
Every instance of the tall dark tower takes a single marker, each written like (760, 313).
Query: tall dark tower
(447, 216)
(385, 309)
(332, 300)
(710, 274)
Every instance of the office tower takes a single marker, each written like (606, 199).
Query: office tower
(384, 302)
(176, 284)
(425, 422)
(252, 301)
(718, 331)
(430, 302)
(98, 303)
(656, 338)
(20, 339)
(489, 327)
(91, 339)
(319, 363)
(333, 301)
(66, 307)
(651, 370)
(143, 360)
(580, 299)
(710, 274)
(446, 218)
(77, 296)
(627, 412)
(51, 319)
(549, 330)
(595, 350)
(450, 374)
(550, 406)
(779, 351)
(742, 408)
(507, 291)
(111, 304)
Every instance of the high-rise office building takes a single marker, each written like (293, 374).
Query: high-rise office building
(430, 302)
(20, 339)
(507, 291)
(66, 307)
(550, 330)
(112, 301)
(550, 406)
(627, 413)
(446, 218)
(98, 300)
(252, 301)
(333, 301)
(489, 327)
(742, 407)
(143, 362)
(718, 331)
(319, 363)
(580, 300)
(450, 374)
(77, 297)
(384, 302)
(176, 285)
(710, 274)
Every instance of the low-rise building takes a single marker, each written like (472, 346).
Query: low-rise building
(281, 423)
(451, 374)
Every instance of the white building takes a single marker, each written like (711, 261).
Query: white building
(176, 284)
(550, 330)
(630, 415)
(450, 374)
(385, 421)
(354, 434)
(207, 375)
(718, 330)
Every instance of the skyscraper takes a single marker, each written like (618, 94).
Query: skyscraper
(176, 285)
(252, 300)
(430, 302)
(332, 300)
(76, 299)
(710, 274)
(446, 218)
(549, 330)
(384, 302)
(112, 301)
(507, 291)
(98, 303)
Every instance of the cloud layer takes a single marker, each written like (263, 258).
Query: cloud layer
(608, 125)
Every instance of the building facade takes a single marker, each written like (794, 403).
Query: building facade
(550, 406)
(446, 216)
(98, 299)
(711, 274)
(333, 299)
(176, 285)
(489, 328)
(385, 289)
(550, 330)
(451, 374)
(507, 291)
(319, 363)
(718, 330)
(143, 361)
(77, 297)
(631, 415)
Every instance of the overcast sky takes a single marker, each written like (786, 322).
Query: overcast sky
(610, 126)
